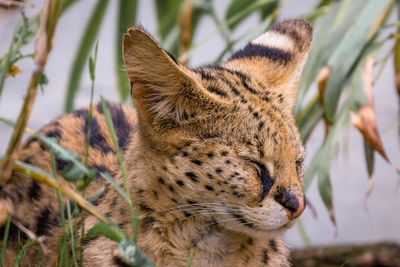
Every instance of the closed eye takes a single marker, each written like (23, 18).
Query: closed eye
(266, 180)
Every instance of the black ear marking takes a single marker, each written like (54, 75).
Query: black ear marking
(254, 50)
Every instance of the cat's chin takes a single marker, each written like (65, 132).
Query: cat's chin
(259, 233)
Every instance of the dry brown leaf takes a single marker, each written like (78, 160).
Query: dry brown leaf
(365, 120)
(186, 33)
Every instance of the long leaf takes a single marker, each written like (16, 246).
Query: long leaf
(348, 51)
(237, 6)
(324, 156)
(126, 17)
(338, 20)
(87, 40)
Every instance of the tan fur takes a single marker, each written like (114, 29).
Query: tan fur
(192, 159)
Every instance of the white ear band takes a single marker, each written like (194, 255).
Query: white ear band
(274, 40)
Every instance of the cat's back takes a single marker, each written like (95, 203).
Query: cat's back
(34, 205)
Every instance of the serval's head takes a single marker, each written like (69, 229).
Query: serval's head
(223, 143)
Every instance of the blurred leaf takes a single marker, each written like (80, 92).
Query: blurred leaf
(357, 94)
(323, 157)
(75, 170)
(66, 4)
(167, 15)
(303, 233)
(309, 118)
(108, 231)
(325, 190)
(339, 19)
(348, 51)
(321, 162)
(126, 18)
(134, 255)
(87, 40)
(237, 15)
(370, 160)
(237, 6)
(269, 9)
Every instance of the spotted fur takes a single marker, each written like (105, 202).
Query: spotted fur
(212, 155)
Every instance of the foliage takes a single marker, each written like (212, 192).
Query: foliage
(348, 36)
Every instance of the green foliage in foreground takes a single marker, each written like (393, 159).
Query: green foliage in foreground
(347, 34)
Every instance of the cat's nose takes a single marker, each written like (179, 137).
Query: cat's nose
(294, 204)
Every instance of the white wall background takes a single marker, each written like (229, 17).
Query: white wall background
(381, 220)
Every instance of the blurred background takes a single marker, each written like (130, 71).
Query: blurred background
(349, 36)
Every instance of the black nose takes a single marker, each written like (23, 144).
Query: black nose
(294, 204)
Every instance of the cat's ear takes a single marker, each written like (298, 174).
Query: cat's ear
(162, 89)
(277, 57)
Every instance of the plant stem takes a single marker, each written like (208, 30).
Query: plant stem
(7, 164)
(48, 21)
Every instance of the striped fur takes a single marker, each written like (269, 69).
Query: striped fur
(209, 152)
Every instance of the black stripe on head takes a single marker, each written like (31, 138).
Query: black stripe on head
(216, 90)
(120, 122)
(237, 73)
(204, 75)
(254, 50)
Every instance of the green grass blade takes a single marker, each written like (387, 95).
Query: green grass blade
(21, 252)
(63, 239)
(111, 129)
(126, 17)
(72, 235)
(303, 233)
(5, 239)
(189, 261)
(87, 40)
(114, 184)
